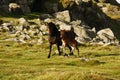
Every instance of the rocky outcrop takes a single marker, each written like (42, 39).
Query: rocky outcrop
(15, 6)
(88, 20)
(25, 32)
(51, 6)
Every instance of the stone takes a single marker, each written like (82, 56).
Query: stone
(64, 15)
(106, 35)
(83, 34)
(7, 26)
(23, 22)
(14, 8)
(45, 16)
(65, 27)
(40, 41)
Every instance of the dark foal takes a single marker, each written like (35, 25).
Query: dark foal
(68, 40)
(54, 37)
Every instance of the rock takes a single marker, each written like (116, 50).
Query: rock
(48, 20)
(84, 59)
(45, 16)
(64, 15)
(76, 23)
(7, 26)
(19, 28)
(15, 8)
(40, 41)
(83, 34)
(43, 29)
(106, 35)
(65, 26)
(23, 22)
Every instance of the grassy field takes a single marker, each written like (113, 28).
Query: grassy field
(29, 62)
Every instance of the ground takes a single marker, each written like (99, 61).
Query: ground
(30, 62)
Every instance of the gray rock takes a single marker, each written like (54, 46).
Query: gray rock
(23, 22)
(45, 16)
(65, 26)
(15, 8)
(40, 41)
(106, 35)
(84, 35)
(7, 26)
(64, 15)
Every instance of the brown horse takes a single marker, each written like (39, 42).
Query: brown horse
(68, 40)
(54, 37)
(62, 37)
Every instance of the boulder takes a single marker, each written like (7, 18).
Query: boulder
(8, 26)
(14, 8)
(83, 34)
(45, 16)
(64, 15)
(106, 35)
(23, 22)
(65, 26)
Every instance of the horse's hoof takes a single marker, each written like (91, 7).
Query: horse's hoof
(71, 54)
(49, 56)
(60, 54)
(65, 55)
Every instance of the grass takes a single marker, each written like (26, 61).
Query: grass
(26, 62)
(29, 62)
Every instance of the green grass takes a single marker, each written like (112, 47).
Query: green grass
(26, 62)
(29, 62)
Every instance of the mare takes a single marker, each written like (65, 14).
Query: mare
(54, 37)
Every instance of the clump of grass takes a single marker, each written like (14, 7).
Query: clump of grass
(72, 76)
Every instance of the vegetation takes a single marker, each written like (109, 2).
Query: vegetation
(29, 62)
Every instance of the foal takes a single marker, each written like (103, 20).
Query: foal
(54, 37)
(68, 40)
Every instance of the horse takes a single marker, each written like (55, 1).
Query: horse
(68, 40)
(65, 38)
(54, 37)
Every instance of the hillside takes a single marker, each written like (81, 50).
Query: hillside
(24, 42)
(98, 13)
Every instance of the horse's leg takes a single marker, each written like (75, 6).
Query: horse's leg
(71, 52)
(58, 47)
(75, 46)
(50, 51)
(78, 51)
(63, 48)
